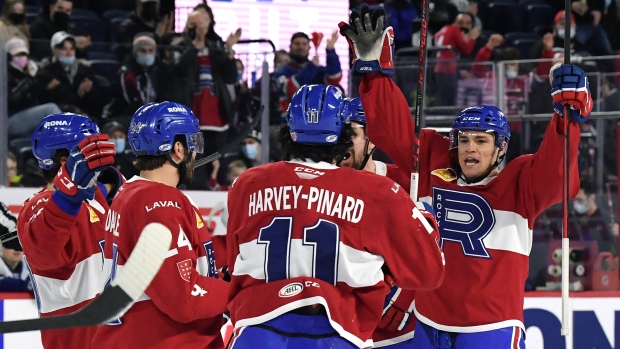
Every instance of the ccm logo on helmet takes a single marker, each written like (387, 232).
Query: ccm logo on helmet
(55, 123)
(176, 110)
(471, 118)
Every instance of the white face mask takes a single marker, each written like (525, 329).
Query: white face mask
(580, 207)
(511, 73)
(561, 33)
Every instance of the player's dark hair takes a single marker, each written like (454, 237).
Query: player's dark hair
(315, 152)
(49, 175)
(153, 162)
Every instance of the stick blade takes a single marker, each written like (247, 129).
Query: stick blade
(139, 270)
(145, 260)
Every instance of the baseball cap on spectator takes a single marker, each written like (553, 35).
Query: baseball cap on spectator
(143, 39)
(15, 46)
(112, 126)
(561, 15)
(59, 37)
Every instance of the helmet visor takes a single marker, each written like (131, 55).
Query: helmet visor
(470, 138)
(196, 142)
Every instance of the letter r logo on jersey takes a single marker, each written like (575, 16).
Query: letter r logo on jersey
(465, 218)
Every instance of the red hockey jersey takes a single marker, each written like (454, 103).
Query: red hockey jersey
(183, 305)
(65, 256)
(486, 228)
(319, 234)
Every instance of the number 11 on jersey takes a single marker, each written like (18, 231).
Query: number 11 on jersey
(323, 238)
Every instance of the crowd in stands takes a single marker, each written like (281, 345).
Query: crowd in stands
(105, 61)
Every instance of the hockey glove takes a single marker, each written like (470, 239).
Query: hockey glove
(113, 177)
(569, 85)
(372, 45)
(76, 179)
(395, 309)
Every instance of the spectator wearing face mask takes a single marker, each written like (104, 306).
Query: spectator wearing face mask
(591, 222)
(25, 110)
(145, 18)
(137, 82)
(461, 36)
(13, 21)
(50, 22)
(123, 161)
(69, 82)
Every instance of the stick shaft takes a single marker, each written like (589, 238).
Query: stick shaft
(566, 327)
(419, 106)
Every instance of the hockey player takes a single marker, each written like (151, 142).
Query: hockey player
(183, 305)
(61, 228)
(396, 328)
(310, 244)
(485, 216)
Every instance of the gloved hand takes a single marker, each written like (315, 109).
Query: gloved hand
(113, 177)
(76, 179)
(395, 309)
(372, 45)
(569, 85)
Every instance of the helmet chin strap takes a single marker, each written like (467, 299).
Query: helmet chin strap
(182, 167)
(367, 154)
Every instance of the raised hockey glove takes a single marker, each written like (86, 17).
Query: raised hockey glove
(372, 45)
(395, 309)
(76, 179)
(569, 85)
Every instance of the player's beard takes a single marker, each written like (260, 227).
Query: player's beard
(189, 170)
(353, 160)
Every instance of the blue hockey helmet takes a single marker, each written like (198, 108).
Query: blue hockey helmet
(354, 111)
(154, 126)
(484, 118)
(315, 115)
(59, 131)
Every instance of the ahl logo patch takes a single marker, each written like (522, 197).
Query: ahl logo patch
(291, 290)
(185, 269)
(445, 173)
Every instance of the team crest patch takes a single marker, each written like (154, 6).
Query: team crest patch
(93, 216)
(291, 290)
(445, 173)
(185, 269)
(199, 222)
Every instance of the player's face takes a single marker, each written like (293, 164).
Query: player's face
(356, 153)
(477, 152)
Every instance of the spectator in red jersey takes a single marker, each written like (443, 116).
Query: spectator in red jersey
(461, 36)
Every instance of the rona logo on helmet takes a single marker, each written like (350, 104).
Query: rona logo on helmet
(55, 123)
(176, 110)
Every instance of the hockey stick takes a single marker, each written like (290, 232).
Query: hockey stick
(235, 142)
(566, 326)
(138, 272)
(417, 120)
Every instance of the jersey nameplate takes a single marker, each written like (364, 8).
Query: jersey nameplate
(445, 173)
